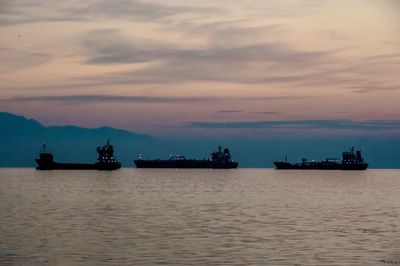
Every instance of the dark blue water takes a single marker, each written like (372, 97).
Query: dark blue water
(199, 217)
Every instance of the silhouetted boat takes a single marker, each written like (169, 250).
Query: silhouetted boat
(105, 161)
(350, 161)
(219, 160)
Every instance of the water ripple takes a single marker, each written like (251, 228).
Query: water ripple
(199, 217)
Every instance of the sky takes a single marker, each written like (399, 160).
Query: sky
(204, 68)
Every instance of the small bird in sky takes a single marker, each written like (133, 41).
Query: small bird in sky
(19, 36)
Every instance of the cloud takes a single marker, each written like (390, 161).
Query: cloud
(234, 62)
(379, 57)
(230, 111)
(4, 5)
(28, 11)
(229, 32)
(237, 51)
(375, 86)
(16, 60)
(238, 64)
(139, 10)
(266, 113)
(78, 99)
(109, 46)
(370, 125)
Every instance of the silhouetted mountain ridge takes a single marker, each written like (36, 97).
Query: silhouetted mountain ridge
(15, 124)
(21, 139)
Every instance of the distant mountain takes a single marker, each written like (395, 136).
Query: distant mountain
(21, 140)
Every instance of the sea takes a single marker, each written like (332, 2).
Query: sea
(199, 217)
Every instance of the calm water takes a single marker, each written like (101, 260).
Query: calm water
(199, 217)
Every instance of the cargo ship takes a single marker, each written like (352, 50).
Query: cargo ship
(105, 161)
(219, 160)
(351, 160)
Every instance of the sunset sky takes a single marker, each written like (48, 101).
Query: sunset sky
(172, 68)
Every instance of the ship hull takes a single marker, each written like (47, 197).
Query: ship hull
(321, 166)
(76, 166)
(184, 164)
